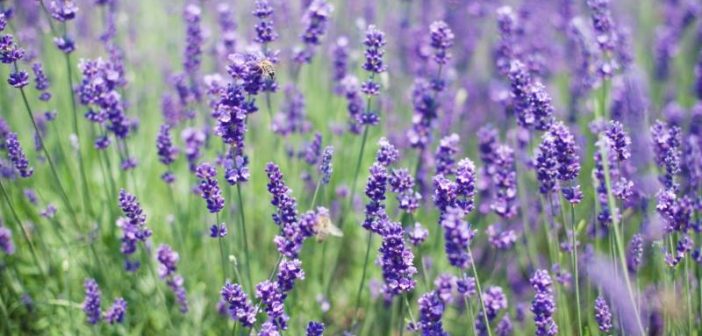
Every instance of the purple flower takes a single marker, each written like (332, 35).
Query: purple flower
(603, 24)
(504, 327)
(236, 169)
(41, 82)
(387, 152)
(98, 90)
(133, 226)
(396, 261)
(9, 51)
(466, 286)
(504, 179)
(424, 105)
(291, 237)
(192, 56)
(116, 312)
(209, 188)
(239, 305)
(603, 315)
(666, 147)
(532, 103)
(314, 329)
(167, 153)
(18, 79)
(272, 298)
(265, 33)
(354, 103)
(314, 149)
(340, 63)
(445, 154)
(566, 151)
(441, 40)
(417, 234)
(168, 260)
(402, 184)
(505, 50)
(458, 235)
(503, 239)
(176, 283)
(375, 43)
(63, 11)
(543, 306)
(635, 253)
(288, 272)
(91, 304)
(325, 166)
(292, 118)
(431, 309)
(683, 247)
(546, 165)
(6, 244)
(65, 44)
(218, 231)
(16, 155)
(316, 19)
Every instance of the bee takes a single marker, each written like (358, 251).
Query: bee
(267, 68)
(325, 228)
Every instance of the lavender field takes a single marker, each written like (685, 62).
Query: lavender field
(330, 167)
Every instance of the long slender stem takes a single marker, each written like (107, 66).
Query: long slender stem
(64, 196)
(25, 234)
(601, 110)
(363, 280)
(222, 254)
(76, 130)
(316, 191)
(480, 292)
(161, 295)
(245, 237)
(574, 256)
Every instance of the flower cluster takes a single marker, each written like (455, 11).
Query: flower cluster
(316, 19)
(16, 155)
(238, 304)
(98, 90)
(168, 259)
(603, 315)
(543, 306)
(375, 49)
(133, 226)
(265, 33)
(209, 188)
(531, 102)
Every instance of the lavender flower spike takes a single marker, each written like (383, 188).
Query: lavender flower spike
(209, 188)
(91, 304)
(116, 313)
(239, 305)
(16, 154)
(543, 306)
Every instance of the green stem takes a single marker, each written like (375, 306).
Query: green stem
(244, 235)
(363, 280)
(64, 196)
(76, 130)
(222, 254)
(25, 234)
(161, 295)
(574, 256)
(316, 191)
(480, 292)
(612, 205)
